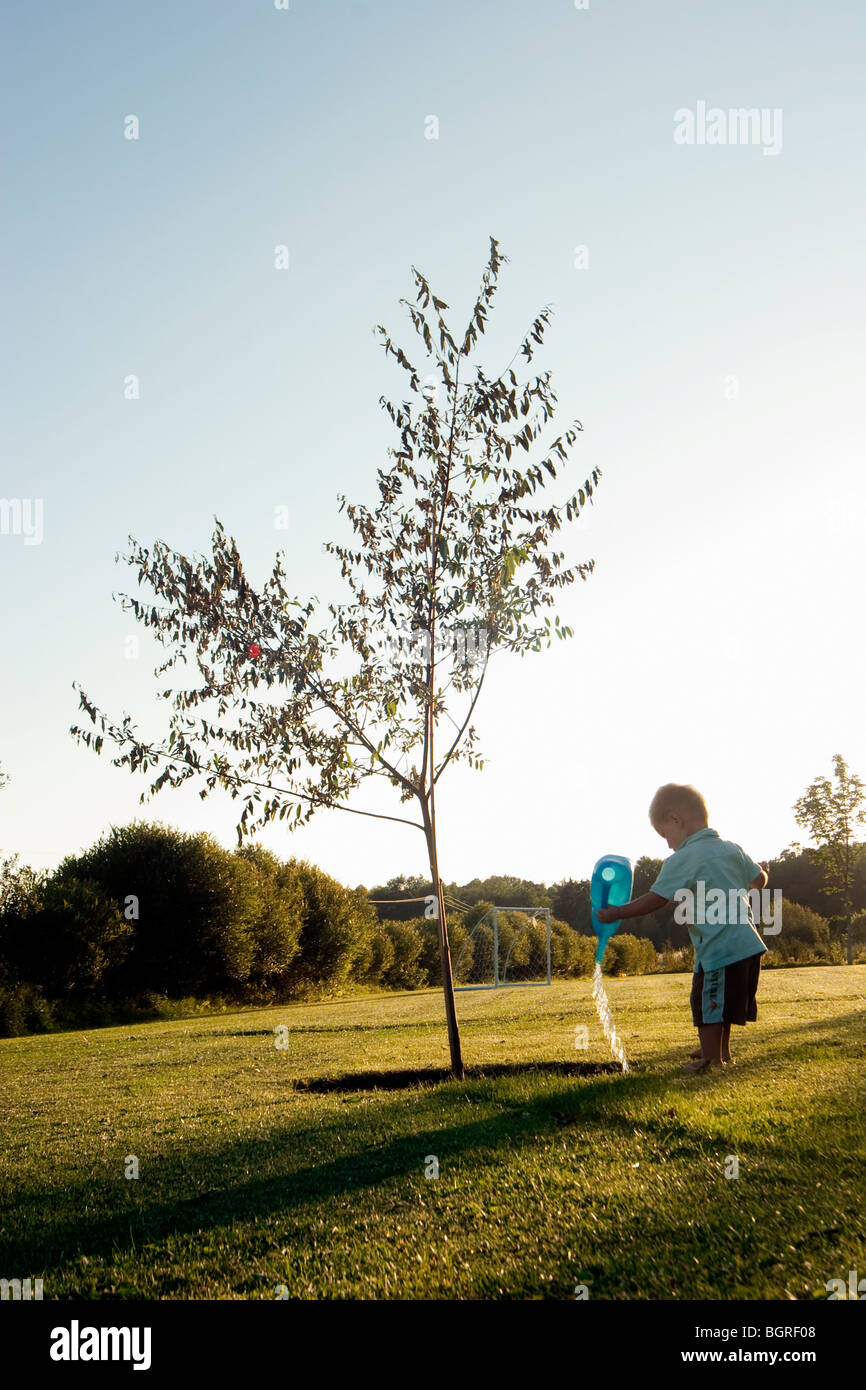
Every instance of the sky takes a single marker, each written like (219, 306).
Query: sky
(707, 329)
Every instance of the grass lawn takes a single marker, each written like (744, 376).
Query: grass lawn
(261, 1167)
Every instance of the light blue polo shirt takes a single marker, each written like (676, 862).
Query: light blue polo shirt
(705, 859)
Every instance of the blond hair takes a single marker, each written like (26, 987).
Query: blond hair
(685, 801)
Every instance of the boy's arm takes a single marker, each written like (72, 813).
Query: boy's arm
(638, 907)
(763, 877)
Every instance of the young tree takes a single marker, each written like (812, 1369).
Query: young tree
(831, 814)
(455, 561)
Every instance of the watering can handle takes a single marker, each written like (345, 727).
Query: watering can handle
(605, 894)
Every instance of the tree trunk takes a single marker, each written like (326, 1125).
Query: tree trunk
(849, 953)
(444, 949)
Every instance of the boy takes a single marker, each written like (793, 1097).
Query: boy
(727, 946)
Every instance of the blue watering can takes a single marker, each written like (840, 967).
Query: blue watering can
(610, 886)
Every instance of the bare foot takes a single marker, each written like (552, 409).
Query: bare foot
(696, 1054)
(701, 1064)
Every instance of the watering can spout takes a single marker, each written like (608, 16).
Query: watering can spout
(610, 886)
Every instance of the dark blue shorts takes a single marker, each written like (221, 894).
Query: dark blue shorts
(726, 995)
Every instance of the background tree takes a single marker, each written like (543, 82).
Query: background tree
(801, 879)
(72, 943)
(571, 902)
(804, 938)
(831, 814)
(506, 890)
(336, 932)
(455, 561)
(628, 954)
(194, 905)
(462, 948)
(405, 970)
(279, 923)
(22, 1007)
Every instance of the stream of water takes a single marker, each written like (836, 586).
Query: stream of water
(602, 1004)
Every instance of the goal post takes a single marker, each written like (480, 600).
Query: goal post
(501, 952)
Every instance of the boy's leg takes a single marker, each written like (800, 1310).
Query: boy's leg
(706, 995)
(725, 1048)
(710, 1054)
(696, 992)
(726, 1042)
(740, 1006)
(711, 1041)
(708, 990)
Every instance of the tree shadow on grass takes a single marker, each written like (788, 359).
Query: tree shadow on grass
(390, 1080)
(373, 1026)
(284, 1194)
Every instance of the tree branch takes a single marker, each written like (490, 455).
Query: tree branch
(452, 750)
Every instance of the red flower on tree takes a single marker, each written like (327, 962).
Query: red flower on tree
(254, 650)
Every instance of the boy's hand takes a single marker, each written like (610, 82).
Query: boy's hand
(763, 878)
(608, 914)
